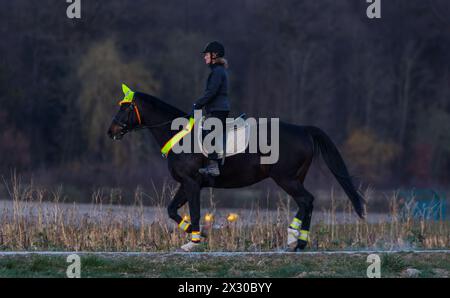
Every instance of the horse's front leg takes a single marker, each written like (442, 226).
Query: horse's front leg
(192, 191)
(177, 202)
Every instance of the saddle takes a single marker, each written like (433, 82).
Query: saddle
(237, 138)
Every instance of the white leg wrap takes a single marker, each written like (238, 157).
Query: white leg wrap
(292, 236)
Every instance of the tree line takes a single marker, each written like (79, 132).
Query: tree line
(380, 88)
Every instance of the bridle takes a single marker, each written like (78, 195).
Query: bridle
(126, 125)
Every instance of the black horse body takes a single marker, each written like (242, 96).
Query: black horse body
(298, 145)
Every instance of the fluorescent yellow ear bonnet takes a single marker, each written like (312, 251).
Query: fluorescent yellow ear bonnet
(128, 95)
(128, 98)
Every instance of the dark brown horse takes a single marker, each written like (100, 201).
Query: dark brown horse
(297, 147)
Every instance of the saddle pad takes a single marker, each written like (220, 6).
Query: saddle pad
(237, 138)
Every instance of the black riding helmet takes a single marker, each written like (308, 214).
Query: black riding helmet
(215, 47)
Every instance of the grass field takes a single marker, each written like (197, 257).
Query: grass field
(32, 224)
(223, 265)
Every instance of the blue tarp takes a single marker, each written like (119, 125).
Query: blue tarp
(428, 204)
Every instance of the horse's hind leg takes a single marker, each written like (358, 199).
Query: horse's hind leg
(300, 225)
(306, 222)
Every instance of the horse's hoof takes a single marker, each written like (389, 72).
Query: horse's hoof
(190, 246)
(301, 244)
(290, 249)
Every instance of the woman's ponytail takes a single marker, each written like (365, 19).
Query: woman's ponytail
(221, 60)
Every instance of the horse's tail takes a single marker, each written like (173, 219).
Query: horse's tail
(324, 145)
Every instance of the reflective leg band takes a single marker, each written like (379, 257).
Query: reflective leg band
(184, 225)
(195, 236)
(303, 235)
(296, 224)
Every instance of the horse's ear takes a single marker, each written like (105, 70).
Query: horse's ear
(125, 89)
(129, 94)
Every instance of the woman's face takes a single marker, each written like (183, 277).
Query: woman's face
(207, 58)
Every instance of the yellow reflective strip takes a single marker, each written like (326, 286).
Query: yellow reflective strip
(296, 223)
(181, 223)
(303, 235)
(177, 137)
(184, 225)
(195, 236)
(297, 220)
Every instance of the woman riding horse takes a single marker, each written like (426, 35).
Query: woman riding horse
(297, 144)
(215, 99)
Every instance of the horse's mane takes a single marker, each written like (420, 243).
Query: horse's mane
(158, 103)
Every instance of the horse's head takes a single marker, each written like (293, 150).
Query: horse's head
(127, 118)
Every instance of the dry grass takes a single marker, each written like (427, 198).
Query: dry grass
(47, 226)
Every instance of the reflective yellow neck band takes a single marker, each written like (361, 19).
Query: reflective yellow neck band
(177, 137)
